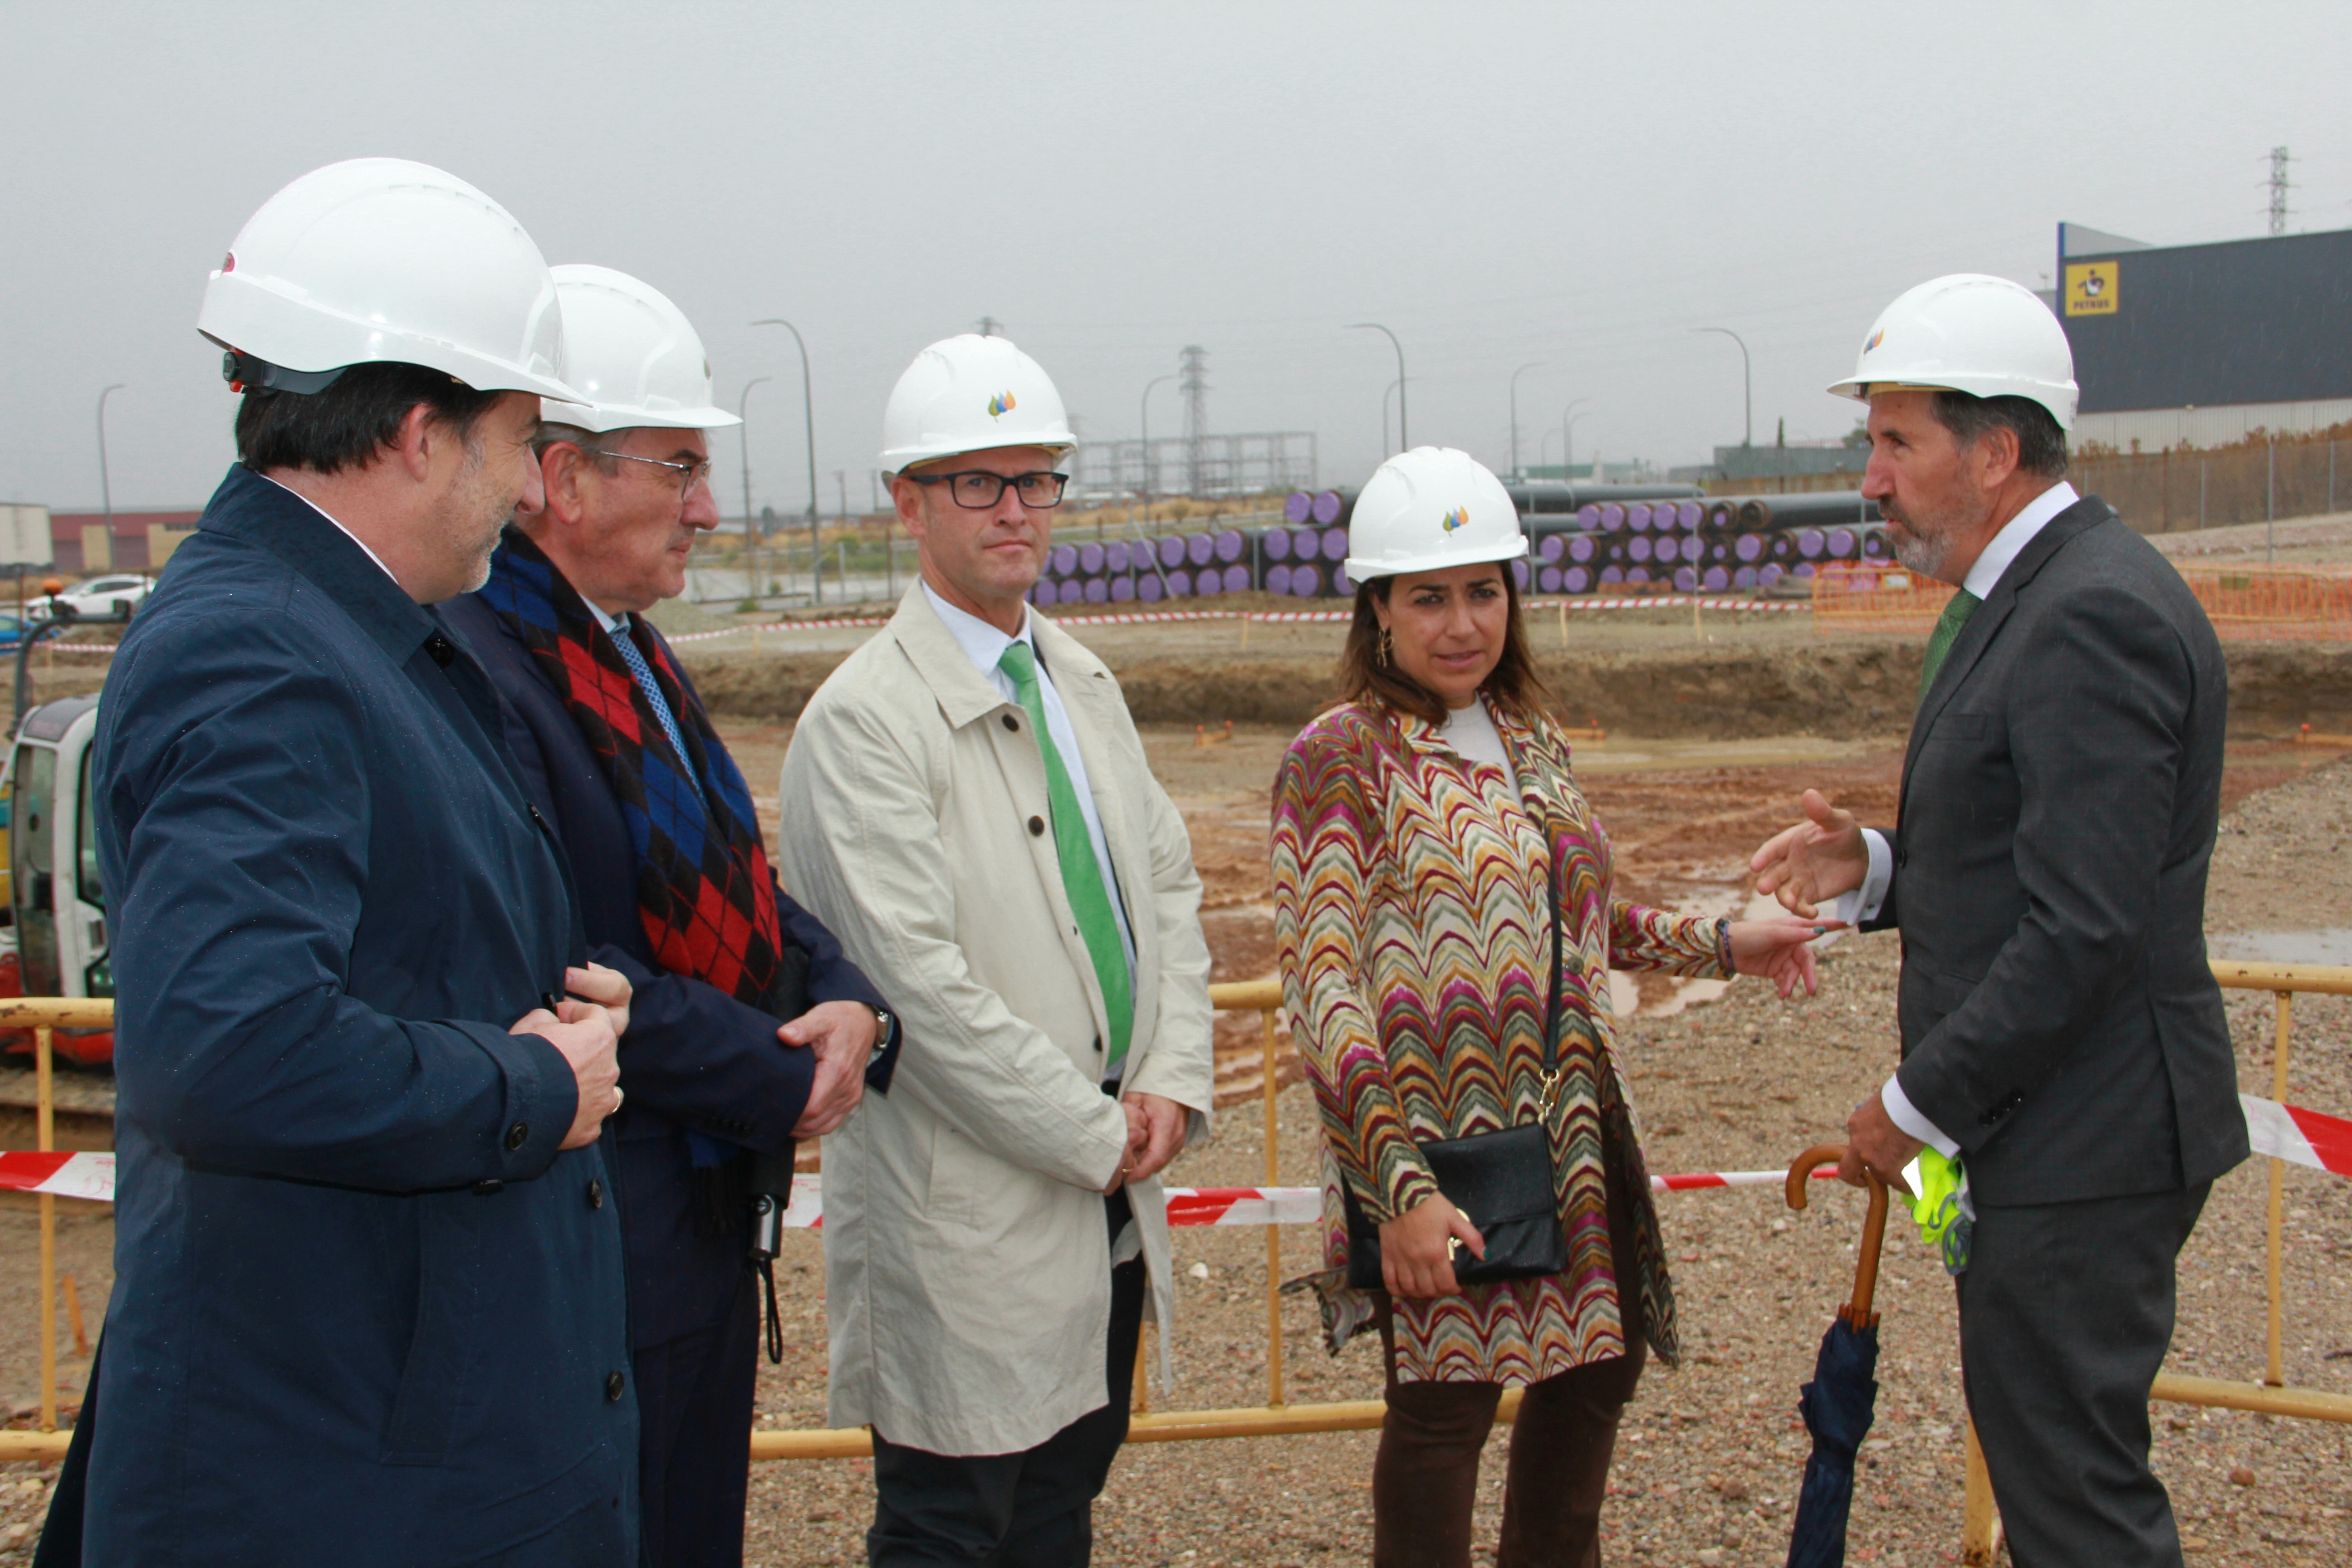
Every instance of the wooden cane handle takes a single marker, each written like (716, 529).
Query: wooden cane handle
(1856, 1311)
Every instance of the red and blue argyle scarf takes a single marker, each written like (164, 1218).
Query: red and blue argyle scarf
(703, 891)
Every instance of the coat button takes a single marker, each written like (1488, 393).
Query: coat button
(615, 1386)
(1010, 722)
(1036, 827)
(488, 1187)
(595, 1193)
(439, 646)
(518, 1136)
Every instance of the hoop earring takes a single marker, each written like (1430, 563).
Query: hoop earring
(1383, 651)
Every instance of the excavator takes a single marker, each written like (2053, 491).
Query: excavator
(53, 937)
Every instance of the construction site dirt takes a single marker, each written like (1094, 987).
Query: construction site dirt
(1704, 747)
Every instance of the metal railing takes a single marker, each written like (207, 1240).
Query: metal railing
(45, 1016)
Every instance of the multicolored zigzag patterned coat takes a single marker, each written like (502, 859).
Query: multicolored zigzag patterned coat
(1409, 891)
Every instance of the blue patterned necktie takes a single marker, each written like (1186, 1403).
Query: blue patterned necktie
(643, 673)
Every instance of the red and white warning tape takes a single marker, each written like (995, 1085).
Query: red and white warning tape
(1286, 1206)
(1148, 617)
(2287, 1133)
(2300, 1137)
(65, 1176)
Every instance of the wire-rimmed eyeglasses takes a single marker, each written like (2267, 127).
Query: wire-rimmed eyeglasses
(695, 473)
(977, 489)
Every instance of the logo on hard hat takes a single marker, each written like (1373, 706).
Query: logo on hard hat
(1459, 517)
(1877, 338)
(1000, 404)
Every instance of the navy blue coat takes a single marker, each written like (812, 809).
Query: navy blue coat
(364, 1310)
(694, 1058)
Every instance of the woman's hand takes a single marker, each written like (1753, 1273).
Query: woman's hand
(1779, 951)
(1417, 1248)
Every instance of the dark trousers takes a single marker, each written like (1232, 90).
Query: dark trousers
(1030, 1509)
(1425, 1474)
(2067, 1312)
(694, 1444)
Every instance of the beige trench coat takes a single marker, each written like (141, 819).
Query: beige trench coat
(968, 1265)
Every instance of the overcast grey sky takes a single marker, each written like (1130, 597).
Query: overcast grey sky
(1576, 183)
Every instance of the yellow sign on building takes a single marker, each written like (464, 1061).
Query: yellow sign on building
(2091, 289)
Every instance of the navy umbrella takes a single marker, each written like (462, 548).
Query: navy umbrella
(1838, 1404)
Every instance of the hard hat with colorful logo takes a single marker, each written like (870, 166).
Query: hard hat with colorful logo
(1968, 332)
(634, 353)
(1429, 509)
(383, 259)
(971, 393)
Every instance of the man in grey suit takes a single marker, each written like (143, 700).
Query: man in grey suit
(2062, 1037)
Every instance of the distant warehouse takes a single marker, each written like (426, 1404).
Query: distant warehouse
(2203, 345)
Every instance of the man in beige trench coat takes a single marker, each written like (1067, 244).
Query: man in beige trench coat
(967, 806)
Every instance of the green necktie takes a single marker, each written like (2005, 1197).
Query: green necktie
(1082, 874)
(1947, 632)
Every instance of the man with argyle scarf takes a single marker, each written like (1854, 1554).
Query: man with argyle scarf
(749, 1028)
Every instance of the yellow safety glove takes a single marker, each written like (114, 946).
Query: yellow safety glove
(1940, 1204)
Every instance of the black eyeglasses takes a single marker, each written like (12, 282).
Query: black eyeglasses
(695, 473)
(977, 489)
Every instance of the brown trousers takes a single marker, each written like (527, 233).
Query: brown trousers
(1425, 1476)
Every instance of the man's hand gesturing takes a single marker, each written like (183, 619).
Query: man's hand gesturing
(1810, 864)
(582, 1033)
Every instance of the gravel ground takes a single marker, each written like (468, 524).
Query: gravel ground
(1713, 1451)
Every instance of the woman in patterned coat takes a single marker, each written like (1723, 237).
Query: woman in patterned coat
(1419, 830)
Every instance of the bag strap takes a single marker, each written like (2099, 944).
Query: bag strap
(1551, 1008)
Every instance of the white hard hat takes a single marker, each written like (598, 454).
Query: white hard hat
(1429, 509)
(634, 353)
(971, 394)
(1968, 332)
(383, 259)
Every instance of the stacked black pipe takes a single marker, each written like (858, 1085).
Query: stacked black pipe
(1695, 545)
(1586, 539)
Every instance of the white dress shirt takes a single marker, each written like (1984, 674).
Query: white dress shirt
(1863, 903)
(984, 644)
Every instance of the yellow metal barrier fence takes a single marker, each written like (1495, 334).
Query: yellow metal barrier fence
(1981, 1527)
(1981, 1537)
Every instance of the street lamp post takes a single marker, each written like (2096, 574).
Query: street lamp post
(1532, 364)
(1392, 389)
(1141, 529)
(105, 487)
(750, 523)
(1568, 440)
(1404, 440)
(808, 414)
(1143, 418)
(1746, 382)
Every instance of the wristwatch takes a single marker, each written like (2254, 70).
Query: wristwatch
(886, 1025)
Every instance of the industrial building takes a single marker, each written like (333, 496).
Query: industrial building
(2205, 344)
(128, 539)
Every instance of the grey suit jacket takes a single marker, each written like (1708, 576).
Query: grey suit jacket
(2058, 1019)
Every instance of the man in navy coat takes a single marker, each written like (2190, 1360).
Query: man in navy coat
(748, 1027)
(369, 1306)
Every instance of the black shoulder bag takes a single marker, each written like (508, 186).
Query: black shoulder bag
(1502, 1182)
